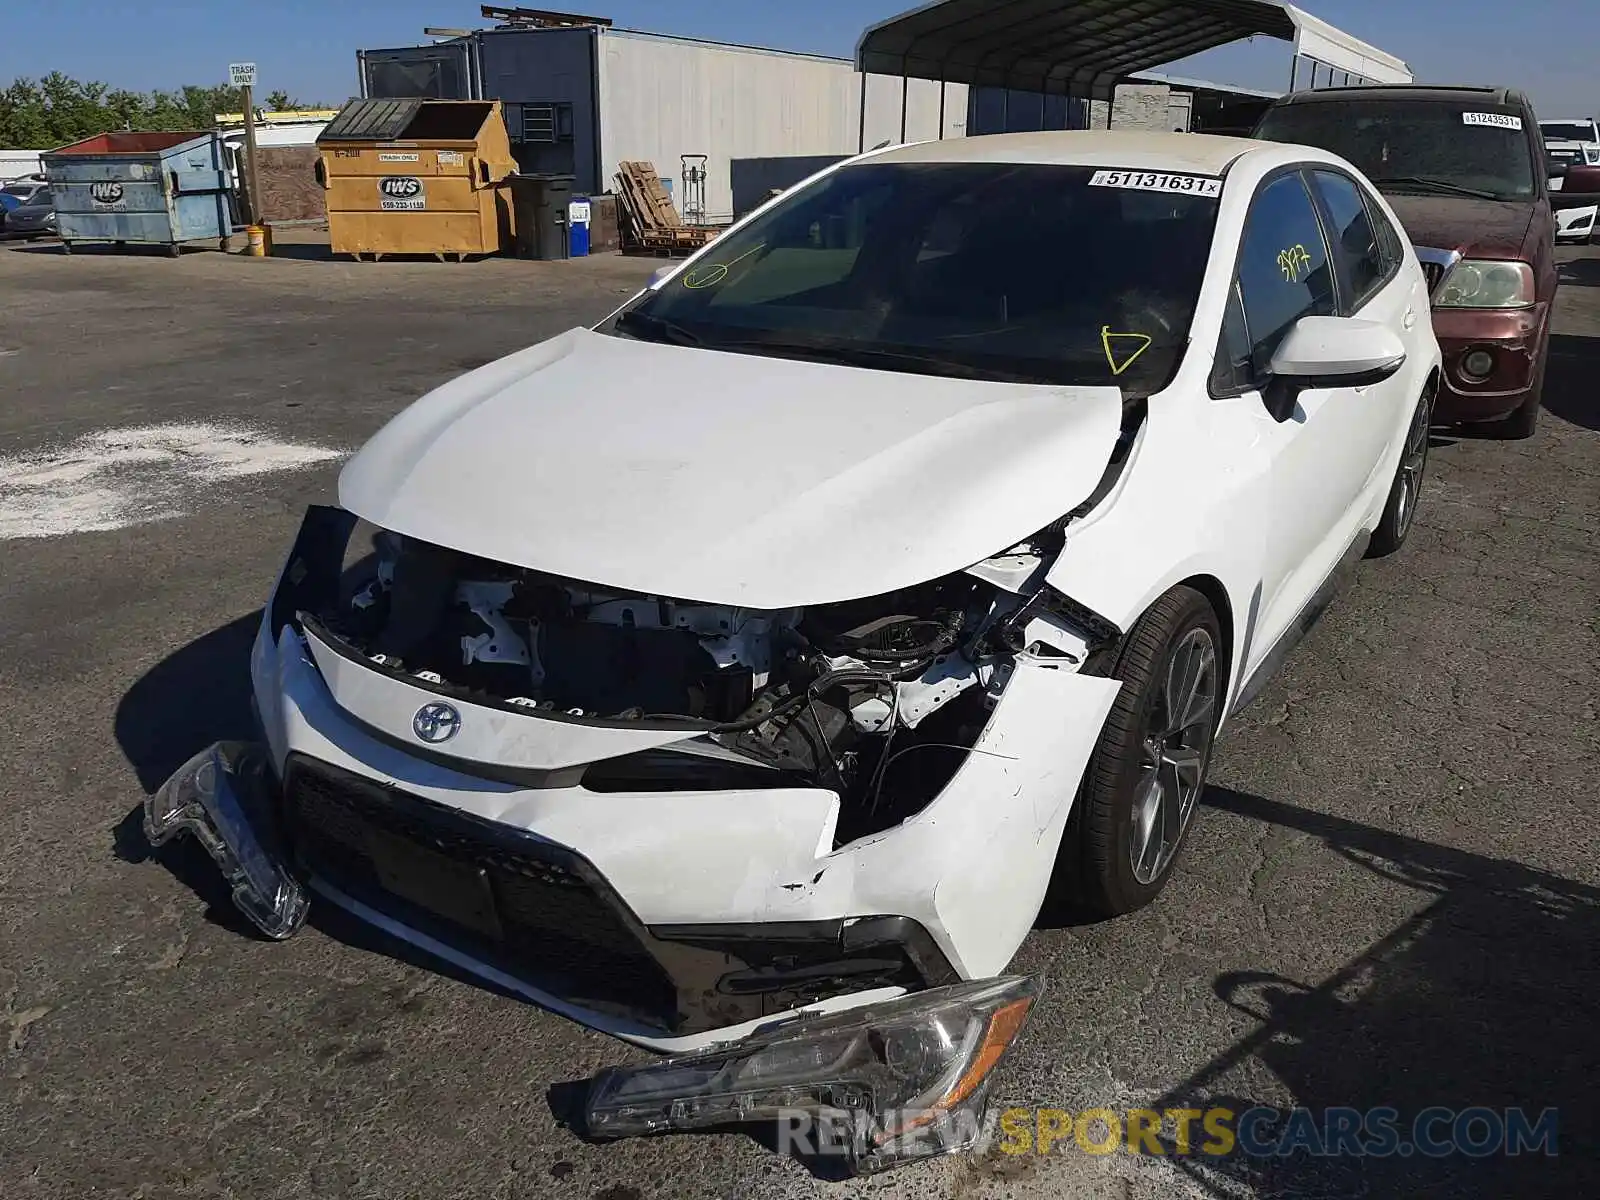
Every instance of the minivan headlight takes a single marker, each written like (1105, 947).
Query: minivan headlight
(1477, 283)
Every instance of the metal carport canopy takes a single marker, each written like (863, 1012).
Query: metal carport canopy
(1079, 48)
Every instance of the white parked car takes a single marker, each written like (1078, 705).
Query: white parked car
(772, 649)
(1572, 143)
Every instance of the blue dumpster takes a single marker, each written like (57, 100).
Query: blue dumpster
(153, 188)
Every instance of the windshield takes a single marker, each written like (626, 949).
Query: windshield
(19, 189)
(1029, 273)
(1569, 131)
(1422, 147)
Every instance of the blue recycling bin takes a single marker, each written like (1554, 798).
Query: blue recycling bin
(579, 215)
(152, 188)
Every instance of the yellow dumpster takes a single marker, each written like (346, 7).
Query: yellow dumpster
(416, 177)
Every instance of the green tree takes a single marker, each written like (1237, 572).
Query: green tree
(40, 114)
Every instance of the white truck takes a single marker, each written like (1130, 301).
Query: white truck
(1572, 143)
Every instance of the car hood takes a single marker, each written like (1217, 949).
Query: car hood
(729, 478)
(1477, 228)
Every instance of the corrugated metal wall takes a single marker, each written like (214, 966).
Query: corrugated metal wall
(662, 98)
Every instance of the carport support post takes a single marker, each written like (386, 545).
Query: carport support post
(905, 95)
(861, 138)
(941, 107)
(253, 209)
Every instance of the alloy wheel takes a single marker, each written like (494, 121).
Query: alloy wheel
(1177, 745)
(1413, 461)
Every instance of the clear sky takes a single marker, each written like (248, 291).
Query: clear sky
(1550, 48)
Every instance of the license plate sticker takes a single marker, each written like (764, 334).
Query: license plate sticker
(1492, 120)
(1158, 181)
(458, 892)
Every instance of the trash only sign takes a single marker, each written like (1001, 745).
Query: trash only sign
(401, 193)
(107, 196)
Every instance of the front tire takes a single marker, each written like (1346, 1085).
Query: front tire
(1148, 771)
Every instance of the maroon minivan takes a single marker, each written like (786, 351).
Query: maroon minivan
(1464, 169)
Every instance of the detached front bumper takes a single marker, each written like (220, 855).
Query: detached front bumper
(675, 919)
(672, 918)
(887, 1082)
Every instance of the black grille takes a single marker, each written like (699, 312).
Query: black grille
(1433, 272)
(533, 910)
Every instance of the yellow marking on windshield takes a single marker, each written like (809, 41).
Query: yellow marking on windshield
(1109, 341)
(1294, 262)
(714, 273)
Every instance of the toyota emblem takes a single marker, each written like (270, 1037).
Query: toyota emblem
(435, 723)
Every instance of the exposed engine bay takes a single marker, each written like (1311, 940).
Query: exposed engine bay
(836, 696)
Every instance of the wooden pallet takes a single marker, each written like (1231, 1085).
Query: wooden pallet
(649, 195)
(647, 221)
(690, 240)
(646, 207)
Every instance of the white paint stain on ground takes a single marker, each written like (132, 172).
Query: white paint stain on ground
(120, 477)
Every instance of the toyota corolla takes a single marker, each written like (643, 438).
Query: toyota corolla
(740, 676)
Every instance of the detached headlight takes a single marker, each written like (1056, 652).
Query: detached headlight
(878, 1086)
(1477, 283)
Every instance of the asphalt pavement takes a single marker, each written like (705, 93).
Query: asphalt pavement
(1392, 897)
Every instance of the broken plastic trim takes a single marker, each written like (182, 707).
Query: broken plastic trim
(1101, 632)
(218, 798)
(312, 572)
(892, 1082)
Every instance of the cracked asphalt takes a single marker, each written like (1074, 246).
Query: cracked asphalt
(1392, 897)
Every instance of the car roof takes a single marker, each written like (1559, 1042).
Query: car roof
(1407, 91)
(1200, 153)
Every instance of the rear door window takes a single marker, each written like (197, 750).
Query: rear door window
(1358, 260)
(1390, 243)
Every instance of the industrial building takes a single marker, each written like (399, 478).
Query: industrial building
(579, 99)
(727, 123)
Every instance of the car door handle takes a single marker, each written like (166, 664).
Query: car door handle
(1410, 319)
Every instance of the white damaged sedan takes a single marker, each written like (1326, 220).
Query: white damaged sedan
(739, 677)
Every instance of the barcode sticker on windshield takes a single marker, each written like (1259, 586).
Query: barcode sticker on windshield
(1495, 120)
(1156, 181)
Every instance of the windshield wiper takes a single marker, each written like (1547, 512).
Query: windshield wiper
(657, 329)
(1440, 186)
(916, 361)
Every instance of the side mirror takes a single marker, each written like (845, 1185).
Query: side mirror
(1324, 352)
